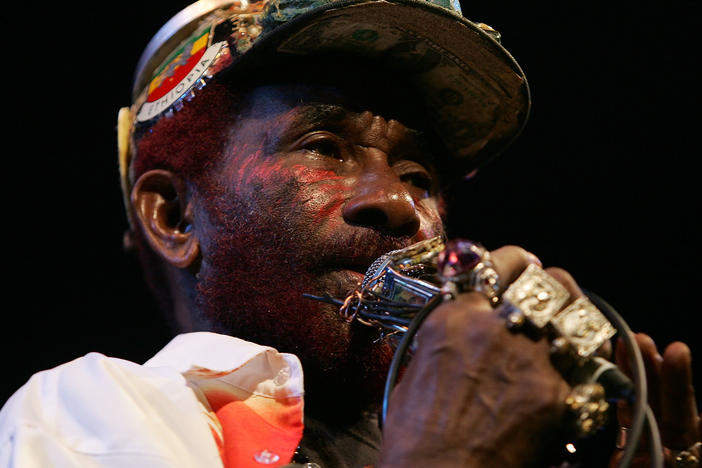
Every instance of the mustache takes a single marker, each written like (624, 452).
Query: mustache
(358, 248)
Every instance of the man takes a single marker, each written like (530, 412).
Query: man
(282, 174)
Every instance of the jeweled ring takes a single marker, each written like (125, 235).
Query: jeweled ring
(535, 296)
(587, 408)
(465, 266)
(684, 458)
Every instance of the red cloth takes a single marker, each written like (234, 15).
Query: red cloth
(250, 440)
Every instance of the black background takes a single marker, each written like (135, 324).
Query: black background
(603, 181)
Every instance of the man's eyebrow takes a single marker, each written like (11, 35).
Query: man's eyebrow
(306, 117)
(302, 119)
(310, 115)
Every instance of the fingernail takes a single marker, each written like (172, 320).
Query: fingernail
(534, 259)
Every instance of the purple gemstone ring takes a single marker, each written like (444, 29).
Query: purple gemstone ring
(465, 266)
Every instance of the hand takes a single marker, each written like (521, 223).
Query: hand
(671, 397)
(474, 393)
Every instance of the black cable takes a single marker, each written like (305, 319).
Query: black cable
(402, 348)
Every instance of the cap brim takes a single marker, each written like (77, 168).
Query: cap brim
(475, 93)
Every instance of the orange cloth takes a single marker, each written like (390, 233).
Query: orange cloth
(249, 440)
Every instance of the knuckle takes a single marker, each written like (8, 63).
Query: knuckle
(565, 278)
(513, 252)
(474, 300)
(456, 315)
(560, 274)
(511, 260)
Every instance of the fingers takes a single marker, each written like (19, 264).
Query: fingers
(652, 361)
(680, 419)
(671, 395)
(510, 261)
(567, 281)
(669, 377)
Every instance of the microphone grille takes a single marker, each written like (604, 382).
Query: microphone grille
(377, 264)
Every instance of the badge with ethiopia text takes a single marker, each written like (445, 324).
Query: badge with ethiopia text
(178, 74)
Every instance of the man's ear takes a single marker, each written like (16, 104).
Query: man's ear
(164, 212)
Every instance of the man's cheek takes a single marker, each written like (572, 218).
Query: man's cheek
(313, 175)
(322, 192)
(253, 171)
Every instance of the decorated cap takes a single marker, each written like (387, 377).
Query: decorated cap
(475, 93)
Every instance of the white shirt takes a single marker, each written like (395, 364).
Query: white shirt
(98, 411)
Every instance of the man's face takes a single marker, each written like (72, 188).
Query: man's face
(313, 187)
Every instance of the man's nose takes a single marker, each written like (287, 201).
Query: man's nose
(382, 201)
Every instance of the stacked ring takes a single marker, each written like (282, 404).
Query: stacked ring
(537, 298)
(465, 266)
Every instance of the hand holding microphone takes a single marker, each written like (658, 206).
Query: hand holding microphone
(537, 303)
(475, 393)
(502, 310)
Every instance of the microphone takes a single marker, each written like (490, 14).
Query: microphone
(601, 371)
(400, 283)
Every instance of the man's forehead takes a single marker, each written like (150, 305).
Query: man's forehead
(279, 114)
(302, 104)
(300, 100)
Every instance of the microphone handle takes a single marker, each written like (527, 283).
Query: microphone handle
(599, 370)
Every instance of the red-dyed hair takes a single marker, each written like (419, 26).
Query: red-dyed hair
(189, 143)
(191, 140)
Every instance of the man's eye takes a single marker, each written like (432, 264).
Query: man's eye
(416, 174)
(420, 180)
(324, 148)
(322, 145)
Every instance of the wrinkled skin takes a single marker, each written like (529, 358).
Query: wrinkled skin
(305, 197)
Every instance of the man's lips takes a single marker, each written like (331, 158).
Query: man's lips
(357, 249)
(349, 257)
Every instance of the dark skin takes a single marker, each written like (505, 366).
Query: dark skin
(312, 187)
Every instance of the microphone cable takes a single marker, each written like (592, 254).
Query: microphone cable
(642, 413)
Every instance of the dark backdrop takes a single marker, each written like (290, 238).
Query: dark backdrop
(602, 182)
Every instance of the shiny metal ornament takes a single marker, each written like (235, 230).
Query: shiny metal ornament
(684, 458)
(396, 286)
(583, 326)
(587, 408)
(465, 266)
(537, 295)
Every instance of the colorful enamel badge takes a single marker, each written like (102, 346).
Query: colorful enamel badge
(181, 72)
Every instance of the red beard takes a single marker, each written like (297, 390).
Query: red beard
(264, 255)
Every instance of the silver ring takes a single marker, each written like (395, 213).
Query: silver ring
(465, 266)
